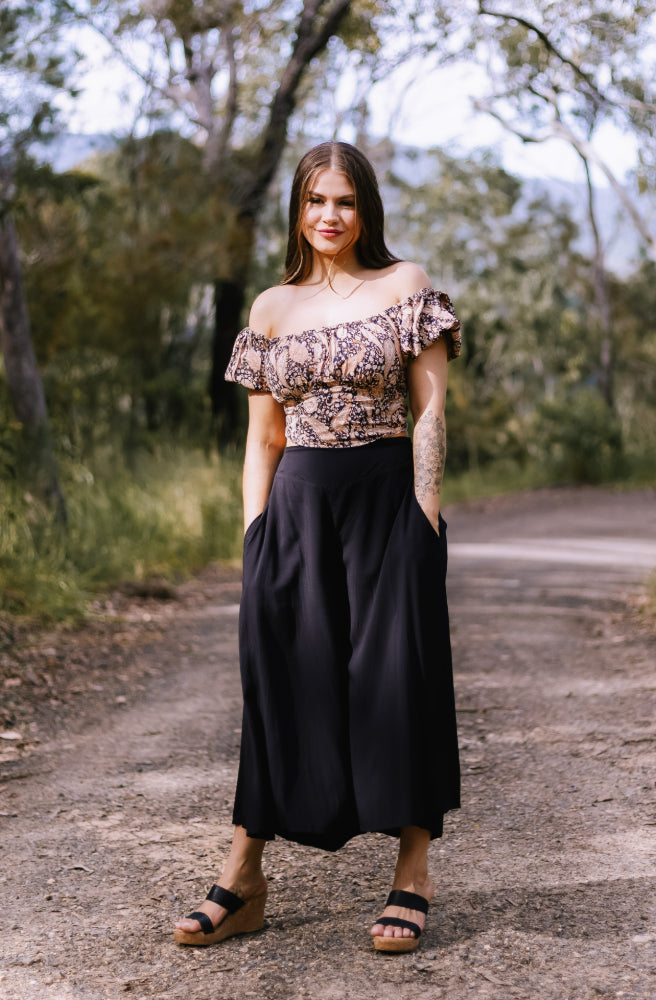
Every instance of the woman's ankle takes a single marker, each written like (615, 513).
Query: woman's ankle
(412, 861)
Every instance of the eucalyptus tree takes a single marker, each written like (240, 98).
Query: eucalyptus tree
(518, 283)
(564, 71)
(33, 68)
(233, 75)
(117, 308)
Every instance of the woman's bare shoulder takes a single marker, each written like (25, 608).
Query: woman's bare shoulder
(268, 307)
(408, 279)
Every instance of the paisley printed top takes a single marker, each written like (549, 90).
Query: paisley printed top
(346, 384)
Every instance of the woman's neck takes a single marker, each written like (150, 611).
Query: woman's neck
(341, 273)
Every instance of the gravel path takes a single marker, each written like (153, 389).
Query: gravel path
(115, 822)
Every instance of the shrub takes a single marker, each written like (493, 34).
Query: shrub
(579, 438)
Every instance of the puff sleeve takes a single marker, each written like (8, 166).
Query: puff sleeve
(247, 362)
(424, 318)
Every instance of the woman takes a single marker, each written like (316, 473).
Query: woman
(349, 720)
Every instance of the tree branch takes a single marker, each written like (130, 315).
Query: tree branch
(311, 39)
(167, 90)
(596, 94)
(231, 106)
(585, 150)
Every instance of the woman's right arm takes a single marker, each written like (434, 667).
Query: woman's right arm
(265, 444)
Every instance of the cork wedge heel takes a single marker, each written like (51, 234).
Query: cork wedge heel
(244, 916)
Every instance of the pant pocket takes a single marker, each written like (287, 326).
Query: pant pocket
(423, 518)
(252, 528)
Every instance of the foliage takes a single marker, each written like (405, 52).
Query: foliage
(34, 68)
(634, 318)
(579, 438)
(117, 267)
(118, 264)
(519, 287)
(34, 65)
(165, 514)
(121, 257)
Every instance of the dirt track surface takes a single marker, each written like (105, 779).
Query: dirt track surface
(114, 824)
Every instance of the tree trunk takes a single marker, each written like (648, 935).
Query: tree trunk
(602, 299)
(228, 304)
(312, 36)
(38, 463)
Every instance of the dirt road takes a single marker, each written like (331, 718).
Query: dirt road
(114, 823)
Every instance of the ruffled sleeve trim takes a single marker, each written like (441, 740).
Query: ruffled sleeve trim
(426, 317)
(247, 362)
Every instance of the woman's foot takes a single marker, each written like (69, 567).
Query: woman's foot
(423, 888)
(244, 889)
(411, 875)
(242, 876)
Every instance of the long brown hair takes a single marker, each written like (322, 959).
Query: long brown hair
(345, 159)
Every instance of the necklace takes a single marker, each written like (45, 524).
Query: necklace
(332, 287)
(348, 294)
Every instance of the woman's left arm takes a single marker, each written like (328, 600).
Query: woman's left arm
(427, 387)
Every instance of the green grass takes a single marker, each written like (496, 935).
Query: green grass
(167, 513)
(492, 480)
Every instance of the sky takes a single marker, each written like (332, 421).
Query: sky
(434, 110)
(438, 110)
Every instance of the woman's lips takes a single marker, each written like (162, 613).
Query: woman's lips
(330, 232)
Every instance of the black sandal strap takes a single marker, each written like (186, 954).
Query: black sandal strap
(408, 900)
(206, 924)
(225, 898)
(397, 922)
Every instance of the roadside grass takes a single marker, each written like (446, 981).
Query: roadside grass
(492, 480)
(167, 513)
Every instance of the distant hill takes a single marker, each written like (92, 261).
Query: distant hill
(620, 237)
(69, 150)
(618, 232)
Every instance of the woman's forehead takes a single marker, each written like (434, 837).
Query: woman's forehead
(331, 182)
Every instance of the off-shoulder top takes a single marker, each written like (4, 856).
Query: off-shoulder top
(346, 384)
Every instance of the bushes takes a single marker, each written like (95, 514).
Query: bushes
(170, 511)
(579, 438)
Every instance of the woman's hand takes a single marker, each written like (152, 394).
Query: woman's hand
(427, 386)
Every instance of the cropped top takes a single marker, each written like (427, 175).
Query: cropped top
(345, 385)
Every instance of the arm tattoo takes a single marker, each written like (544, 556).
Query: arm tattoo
(429, 456)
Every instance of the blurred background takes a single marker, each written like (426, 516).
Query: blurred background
(146, 155)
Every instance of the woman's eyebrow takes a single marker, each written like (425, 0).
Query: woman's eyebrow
(340, 197)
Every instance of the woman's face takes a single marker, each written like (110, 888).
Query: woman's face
(330, 221)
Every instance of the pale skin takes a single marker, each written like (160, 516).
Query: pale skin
(337, 290)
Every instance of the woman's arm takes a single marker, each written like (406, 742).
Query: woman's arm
(427, 386)
(265, 444)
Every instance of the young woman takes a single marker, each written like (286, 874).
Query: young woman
(349, 719)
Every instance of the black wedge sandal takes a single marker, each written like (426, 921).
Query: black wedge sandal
(243, 917)
(410, 901)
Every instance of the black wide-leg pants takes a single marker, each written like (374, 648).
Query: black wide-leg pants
(349, 716)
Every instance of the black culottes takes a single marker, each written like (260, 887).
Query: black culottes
(349, 715)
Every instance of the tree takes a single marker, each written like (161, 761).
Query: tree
(519, 287)
(233, 75)
(30, 72)
(118, 260)
(563, 71)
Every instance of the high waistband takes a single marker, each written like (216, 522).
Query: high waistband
(335, 466)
